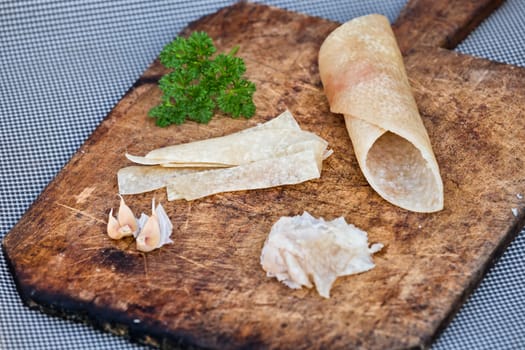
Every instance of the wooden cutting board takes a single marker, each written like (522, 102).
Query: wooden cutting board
(208, 289)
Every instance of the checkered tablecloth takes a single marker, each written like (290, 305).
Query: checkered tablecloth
(65, 64)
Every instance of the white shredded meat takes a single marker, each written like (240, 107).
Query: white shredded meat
(303, 251)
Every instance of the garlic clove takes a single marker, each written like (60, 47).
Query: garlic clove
(127, 221)
(113, 227)
(149, 237)
(155, 231)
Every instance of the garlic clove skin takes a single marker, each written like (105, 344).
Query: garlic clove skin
(142, 222)
(127, 221)
(113, 227)
(165, 225)
(149, 237)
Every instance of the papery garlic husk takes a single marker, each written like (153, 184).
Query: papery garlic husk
(113, 226)
(142, 222)
(155, 230)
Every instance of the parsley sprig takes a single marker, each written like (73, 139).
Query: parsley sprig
(199, 83)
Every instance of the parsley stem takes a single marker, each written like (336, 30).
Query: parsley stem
(234, 50)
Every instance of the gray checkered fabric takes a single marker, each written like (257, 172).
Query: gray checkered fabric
(65, 64)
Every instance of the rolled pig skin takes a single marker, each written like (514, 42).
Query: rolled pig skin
(364, 79)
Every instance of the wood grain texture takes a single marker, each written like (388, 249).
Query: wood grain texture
(443, 23)
(208, 289)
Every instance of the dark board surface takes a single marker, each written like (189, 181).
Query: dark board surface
(208, 288)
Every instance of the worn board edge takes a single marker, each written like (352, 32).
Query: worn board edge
(446, 32)
(508, 237)
(121, 325)
(62, 305)
(476, 281)
(101, 319)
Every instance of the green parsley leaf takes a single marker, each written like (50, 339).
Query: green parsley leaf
(200, 82)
